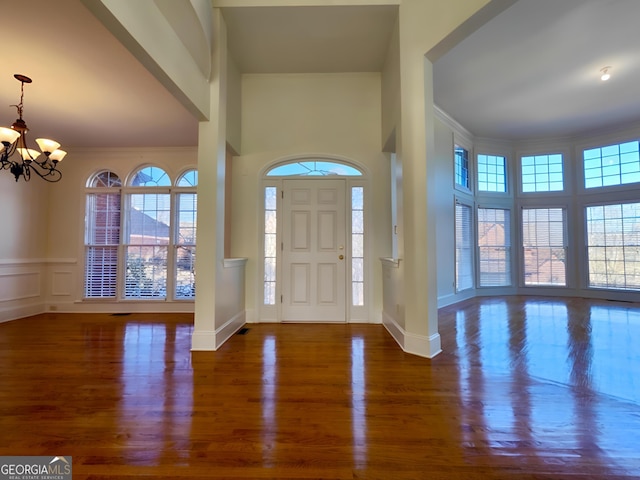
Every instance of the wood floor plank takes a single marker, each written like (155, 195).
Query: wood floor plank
(525, 388)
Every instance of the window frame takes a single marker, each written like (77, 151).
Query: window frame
(618, 142)
(509, 257)
(125, 192)
(471, 170)
(131, 191)
(507, 173)
(176, 192)
(565, 239)
(471, 249)
(588, 285)
(521, 174)
(89, 219)
(355, 313)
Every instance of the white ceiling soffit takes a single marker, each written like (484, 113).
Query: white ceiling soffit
(310, 39)
(190, 30)
(534, 70)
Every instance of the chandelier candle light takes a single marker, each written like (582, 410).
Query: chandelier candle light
(14, 140)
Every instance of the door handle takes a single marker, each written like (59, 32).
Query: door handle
(341, 257)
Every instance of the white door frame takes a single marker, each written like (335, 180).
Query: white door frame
(271, 312)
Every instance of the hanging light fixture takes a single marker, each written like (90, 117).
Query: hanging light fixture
(28, 160)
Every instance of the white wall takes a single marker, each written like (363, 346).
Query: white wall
(390, 95)
(23, 245)
(288, 115)
(445, 238)
(234, 105)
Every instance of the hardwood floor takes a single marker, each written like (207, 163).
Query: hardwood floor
(525, 388)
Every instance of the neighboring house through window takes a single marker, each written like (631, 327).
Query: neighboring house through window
(140, 239)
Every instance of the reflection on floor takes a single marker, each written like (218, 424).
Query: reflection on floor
(525, 388)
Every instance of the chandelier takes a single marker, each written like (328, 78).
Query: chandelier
(28, 160)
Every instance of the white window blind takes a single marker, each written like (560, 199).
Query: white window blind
(494, 247)
(543, 238)
(464, 247)
(102, 236)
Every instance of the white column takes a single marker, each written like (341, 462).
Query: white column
(417, 237)
(425, 26)
(211, 175)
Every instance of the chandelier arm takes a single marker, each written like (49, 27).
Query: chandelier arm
(5, 164)
(10, 150)
(50, 175)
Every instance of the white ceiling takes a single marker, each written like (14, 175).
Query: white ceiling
(530, 72)
(534, 70)
(310, 39)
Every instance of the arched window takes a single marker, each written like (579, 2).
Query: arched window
(102, 235)
(140, 238)
(105, 179)
(150, 177)
(305, 168)
(188, 179)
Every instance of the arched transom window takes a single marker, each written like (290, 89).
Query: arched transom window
(307, 168)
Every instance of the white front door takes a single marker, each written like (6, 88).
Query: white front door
(314, 251)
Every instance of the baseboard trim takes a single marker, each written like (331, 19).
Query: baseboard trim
(412, 343)
(396, 331)
(226, 331)
(422, 345)
(210, 341)
(203, 341)
(16, 313)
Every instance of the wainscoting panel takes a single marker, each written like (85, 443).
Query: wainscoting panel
(19, 285)
(61, 283)
(21, 288)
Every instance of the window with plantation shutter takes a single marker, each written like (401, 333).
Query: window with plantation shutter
(543, 238)
(494, 247)
(613, 246)
(464, 247)
(102, 235)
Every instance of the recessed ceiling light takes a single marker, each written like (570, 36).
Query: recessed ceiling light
(605, 74)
